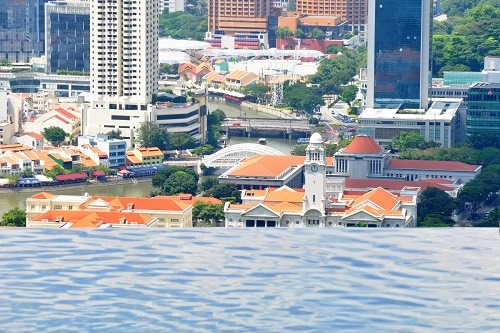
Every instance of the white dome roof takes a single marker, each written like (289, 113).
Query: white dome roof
(316, 138)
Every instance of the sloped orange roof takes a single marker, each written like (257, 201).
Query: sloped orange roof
(266, 165)
(151, 151)
(34, 135)
(155, 203)
(431, 165)
(213, 77)
(66, 114)
(284, 194)
(284, 207)
(380, 197)
(43, 195)
(363, 144)
(93, 219)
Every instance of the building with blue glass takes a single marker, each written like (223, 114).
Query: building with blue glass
(67, 36)
(483, 113)
(398, 53)
(22, 29)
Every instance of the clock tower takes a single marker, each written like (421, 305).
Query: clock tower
(315, 175)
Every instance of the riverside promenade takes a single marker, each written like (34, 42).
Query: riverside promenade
(89, 184)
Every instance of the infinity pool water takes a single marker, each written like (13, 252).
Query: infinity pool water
(220, 280)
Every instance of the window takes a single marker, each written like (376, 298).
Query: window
(174, 220)
(57, 207)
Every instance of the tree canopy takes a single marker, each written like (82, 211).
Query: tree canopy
(258, 92)
(225, 192)
(471, 32)
(333, 73)
(412, 140)
(183, 25)
(181, 141)
(150, 134)
(173, 180)
(55, 135)
(214, 121)
(436, 203)
(300, 97)
(14, 218)
(114, 134)
(208, 212)
(180, 182)
(349, 94)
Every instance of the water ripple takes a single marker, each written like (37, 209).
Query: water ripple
(217, 280)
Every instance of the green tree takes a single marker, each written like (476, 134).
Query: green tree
(435, 220)
(54, 171)
(208, 212)
(208, 183)
(180, 182)
(169, 69)
(114, 134)
(225, 192)
(150, 134)
(258, 92)
(299, 150)
(334, 49)
(408, 140)
(318, 34)
(436, 202)
(300, 97)
(205, 149)
(162, 175)
(283, 32)
(14, 218)
(181, 141)
(183, 25)
(349, 94)
(55, 135)
(214, 121)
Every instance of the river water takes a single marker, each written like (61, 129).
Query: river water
(14, 199)
(220, 280)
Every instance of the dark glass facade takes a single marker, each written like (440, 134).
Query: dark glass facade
(483, 109)
(68, 38)
(22, 29)
(398, 52)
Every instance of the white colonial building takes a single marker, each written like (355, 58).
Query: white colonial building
(322, 202)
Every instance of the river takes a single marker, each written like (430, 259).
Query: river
(264, 280)
(14, 199)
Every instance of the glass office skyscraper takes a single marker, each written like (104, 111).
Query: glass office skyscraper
(67, 41)
(22, 29)
(398, 53)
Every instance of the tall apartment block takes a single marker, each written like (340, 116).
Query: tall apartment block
(352, 11)
(398, 53)
(124, 65)
(238, 16)
(172, 6)
(67, 36)
(22, 29)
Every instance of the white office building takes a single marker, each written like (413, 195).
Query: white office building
(443, 122)
(124, 65)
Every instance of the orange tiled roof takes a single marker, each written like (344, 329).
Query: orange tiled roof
(43, 195)
(284, 194)
(265, 165)
(363, 144)
(152, 151)
(93, 219)
(34, 135)
(155, 203)
(431, 165)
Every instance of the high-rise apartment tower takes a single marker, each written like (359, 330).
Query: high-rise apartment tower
(398, 53)
(124, 65)
(352, 11)
(238, 16)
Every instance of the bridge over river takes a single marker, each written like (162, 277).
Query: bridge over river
(256, 127)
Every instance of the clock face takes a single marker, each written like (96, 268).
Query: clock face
(314, 167)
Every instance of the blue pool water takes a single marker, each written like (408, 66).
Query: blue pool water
(218, 280)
